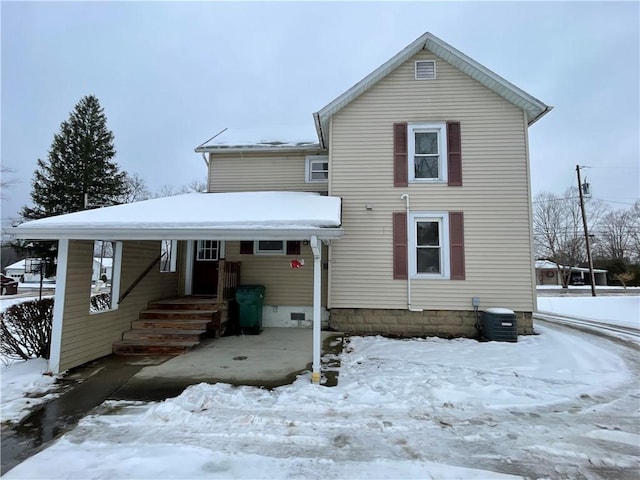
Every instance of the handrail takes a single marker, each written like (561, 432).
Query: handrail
(141, 277)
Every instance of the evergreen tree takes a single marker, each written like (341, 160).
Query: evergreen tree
(79, 166)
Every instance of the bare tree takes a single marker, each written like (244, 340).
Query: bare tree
(615, 235)
(558, 230)
(6, 180)
(135, 189)
(169, 190)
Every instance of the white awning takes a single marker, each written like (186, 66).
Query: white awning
(195, 216)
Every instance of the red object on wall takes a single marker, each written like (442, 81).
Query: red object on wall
(297, 263)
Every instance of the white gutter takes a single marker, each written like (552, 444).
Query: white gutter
(405, 197)
(93, 232)
(317, 314)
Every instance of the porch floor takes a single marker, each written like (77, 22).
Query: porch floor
(273, 358)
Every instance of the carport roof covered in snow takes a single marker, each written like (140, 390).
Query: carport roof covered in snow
(223, 216)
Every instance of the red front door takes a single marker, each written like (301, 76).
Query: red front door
(205, 267)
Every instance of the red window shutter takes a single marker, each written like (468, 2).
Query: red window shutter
(293, 247)
(456, 245)
(454, 154)
(400, 155)
(400, 246)
(246, 247)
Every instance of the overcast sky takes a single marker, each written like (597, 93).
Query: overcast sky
(171, 75)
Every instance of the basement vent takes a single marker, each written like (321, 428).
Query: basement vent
(426, 70)
(297, 316)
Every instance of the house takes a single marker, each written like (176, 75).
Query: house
(27, 269)
(414, 200)
(550, 273)
(102, 269)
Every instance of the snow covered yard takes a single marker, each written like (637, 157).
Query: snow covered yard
(555, 405)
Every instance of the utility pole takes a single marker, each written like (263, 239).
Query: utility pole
(586, 234)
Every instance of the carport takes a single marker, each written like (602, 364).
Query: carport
(199, 216)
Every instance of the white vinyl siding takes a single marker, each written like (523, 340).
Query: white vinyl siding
(260, 172)
(284, 285)
(495, 197)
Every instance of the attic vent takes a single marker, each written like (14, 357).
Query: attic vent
(426, 70)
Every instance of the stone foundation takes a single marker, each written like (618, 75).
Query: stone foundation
(405, 323)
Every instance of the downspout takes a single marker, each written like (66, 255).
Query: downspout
(405, 197)
(317, 314)
(204, 157)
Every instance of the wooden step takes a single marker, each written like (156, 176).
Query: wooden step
(178, 314)
(170, 323)
(150, 347)
(165, 334)
(212, 305)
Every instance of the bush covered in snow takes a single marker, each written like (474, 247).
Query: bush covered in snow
(25, 329)
(100, 302)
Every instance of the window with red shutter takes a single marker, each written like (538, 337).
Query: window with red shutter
(400, 246)
(400, 158)
(456, 245)
(454, 154)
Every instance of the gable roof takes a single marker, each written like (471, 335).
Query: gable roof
(534, 108)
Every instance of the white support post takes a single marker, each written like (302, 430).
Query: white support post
(58, 306)
(317, 314)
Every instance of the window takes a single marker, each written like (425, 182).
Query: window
(426, 70)
(105, 282)
(269, 247)
(427, 152)
(169, 250)
(207, 250)
(429, 245)
(317, 169)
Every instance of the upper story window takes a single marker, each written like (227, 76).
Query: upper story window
(317, 169)
(427, 152)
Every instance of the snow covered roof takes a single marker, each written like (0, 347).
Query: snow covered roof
(548, 265)
(534, 108)
(263, 139)
(197, 216)
(20, 264)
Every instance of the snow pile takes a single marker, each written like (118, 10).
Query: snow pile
(419, 408)
(619, 310)
(24, 385)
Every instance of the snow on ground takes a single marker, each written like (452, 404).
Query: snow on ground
(24, 385)
(619, 310)
(554, 405)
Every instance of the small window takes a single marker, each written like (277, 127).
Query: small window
(269, 247)
(427, 152)
(426, 70)
(317, 169)
(429, 245)
(105, 281)
(169, 250)
(208, 250)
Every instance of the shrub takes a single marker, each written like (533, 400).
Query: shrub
(100, 302)
(25, 329)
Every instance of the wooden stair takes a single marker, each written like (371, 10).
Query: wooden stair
(171, 327)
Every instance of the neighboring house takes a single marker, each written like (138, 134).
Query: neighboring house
(27, 269)
(549, 273)
(102, 267)
(423, 203)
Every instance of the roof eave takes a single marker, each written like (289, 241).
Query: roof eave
(240, 149)
(172, 233)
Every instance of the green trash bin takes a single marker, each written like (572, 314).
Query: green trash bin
(250, 299)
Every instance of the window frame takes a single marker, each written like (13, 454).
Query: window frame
(172, 265)
(115, 278)
(445, 261)
(309, 161)
(204, 248)
(258, 251)
(441, 130)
